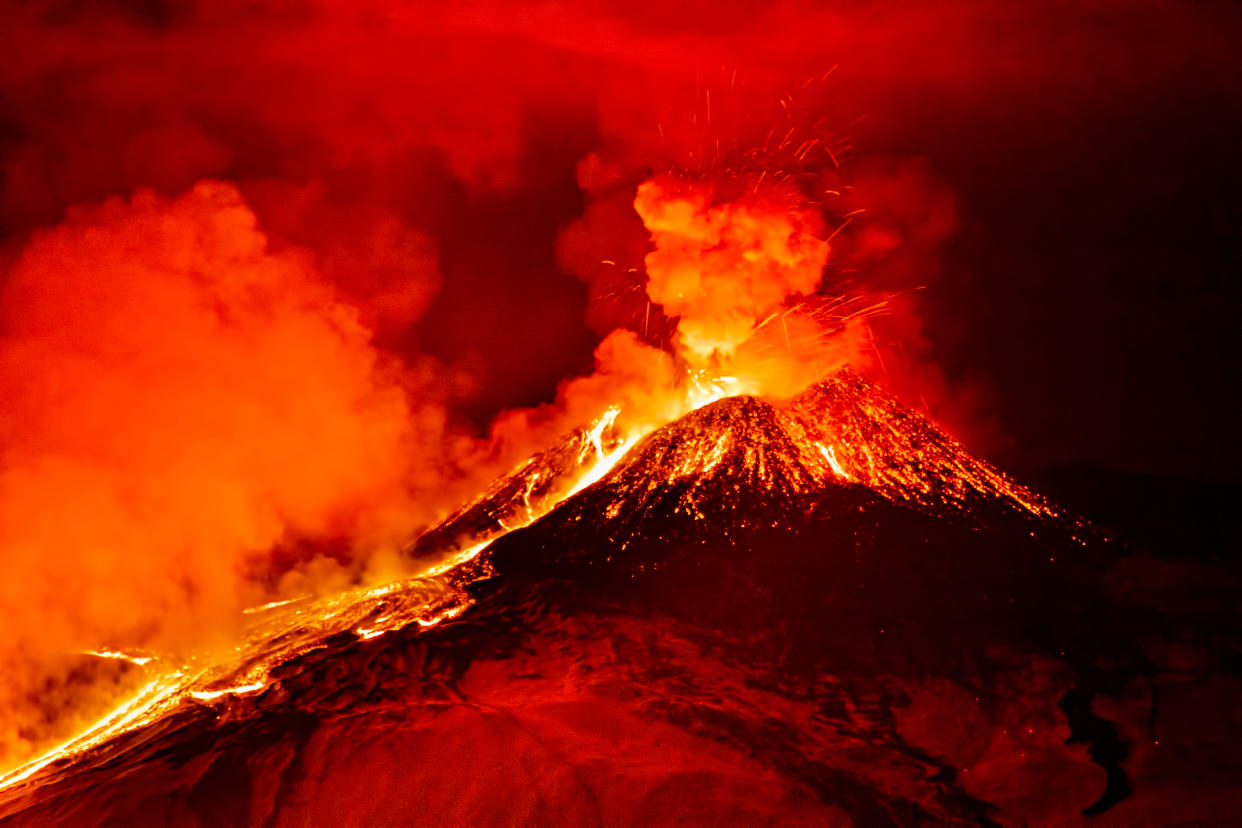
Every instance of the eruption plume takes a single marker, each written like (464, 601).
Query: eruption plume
(722, 268)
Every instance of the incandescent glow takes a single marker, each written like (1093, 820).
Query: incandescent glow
(141, 661)
(146, 705)
(271, 605)
(830, 455)
(597, 431)
(447, 615)
(279, 632)
(426, 601)
(605, 459)
(239, 690)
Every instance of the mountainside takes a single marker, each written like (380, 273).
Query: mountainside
(822, 612)
(872, 439)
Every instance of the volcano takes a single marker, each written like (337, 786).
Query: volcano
(824, 611)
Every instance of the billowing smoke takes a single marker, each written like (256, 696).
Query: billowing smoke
(722, 269)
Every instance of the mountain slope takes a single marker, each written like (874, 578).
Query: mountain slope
(877, 442)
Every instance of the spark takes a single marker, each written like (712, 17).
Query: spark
(844, 224)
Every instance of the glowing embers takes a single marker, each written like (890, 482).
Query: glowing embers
(717, 453)
(843, 431)
(878, 443)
